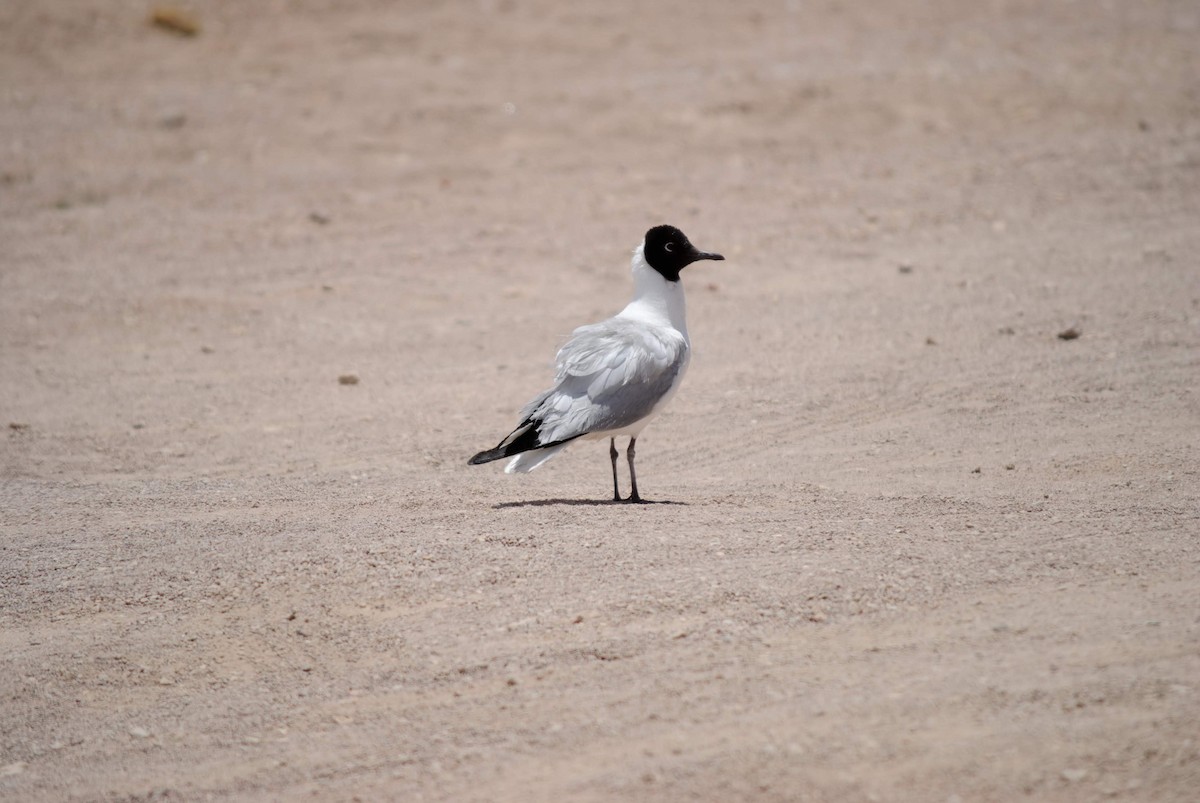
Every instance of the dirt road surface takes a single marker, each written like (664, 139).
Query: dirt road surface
(912, 544)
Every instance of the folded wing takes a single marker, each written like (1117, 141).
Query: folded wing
(610, 375)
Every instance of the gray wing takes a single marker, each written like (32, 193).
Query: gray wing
(610, 375)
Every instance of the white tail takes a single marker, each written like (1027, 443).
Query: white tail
(528, 461)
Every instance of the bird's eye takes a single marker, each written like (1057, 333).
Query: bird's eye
(669, 247)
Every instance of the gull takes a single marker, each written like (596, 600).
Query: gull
(615, 376)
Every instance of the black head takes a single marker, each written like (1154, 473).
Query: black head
(669, 251)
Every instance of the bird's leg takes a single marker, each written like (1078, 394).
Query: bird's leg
(612, 453)
(629, 453)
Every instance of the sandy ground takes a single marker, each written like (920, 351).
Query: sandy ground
(917, 546)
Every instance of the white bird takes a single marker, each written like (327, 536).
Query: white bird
(613, 377)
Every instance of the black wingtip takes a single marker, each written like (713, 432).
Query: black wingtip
(522, 439)
(486, 457)
(526, 441)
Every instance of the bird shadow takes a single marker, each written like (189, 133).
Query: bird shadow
(581, 503)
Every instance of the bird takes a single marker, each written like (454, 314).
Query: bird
(613, 377)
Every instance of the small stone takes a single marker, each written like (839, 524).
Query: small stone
(138, 732)
(1074, 775)
(977, 470)
(175, 20)
(17, 426)
(1069, 334)
(348, 379)
(929, 341)
(905, 268)
(207, 350)
(165, 681)
(16, 768)
(319, 218)
(1009, 466)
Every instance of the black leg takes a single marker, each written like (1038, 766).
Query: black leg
(612, 453)
(629, 453)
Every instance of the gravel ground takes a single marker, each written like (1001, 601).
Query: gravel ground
(915, 541)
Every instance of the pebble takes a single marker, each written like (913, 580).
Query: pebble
(1074, 775)
(348, 379)
(175, 20)
(138, 732)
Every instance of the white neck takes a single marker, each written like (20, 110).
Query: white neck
(655, 300)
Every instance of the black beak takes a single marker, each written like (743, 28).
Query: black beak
(699, 255)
